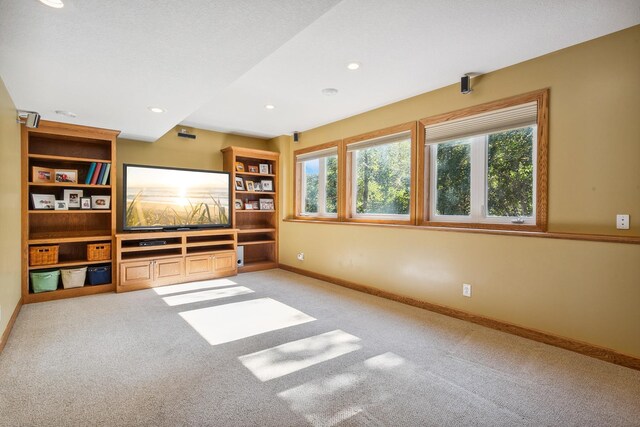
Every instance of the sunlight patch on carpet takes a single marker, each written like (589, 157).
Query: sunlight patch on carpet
(231, 322)
(208, 295)
(294, 356)
(193, 286)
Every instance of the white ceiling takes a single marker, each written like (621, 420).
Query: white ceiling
(216, 64)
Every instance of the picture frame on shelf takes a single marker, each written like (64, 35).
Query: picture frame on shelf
(267, 185)
(100, 202)
(239, 183)
(44, 175)
(255, 205)
(72, 197)
(61, 205)
(250, 186)
(248, 206)
(264, 168)
(239, 167)
(43, 201)
(238, 204)
(85, 203)
(66, 176)
(257, 186)
(252, 168)
(266, 204)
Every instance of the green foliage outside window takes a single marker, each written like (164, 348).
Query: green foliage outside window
(383, 176)
(312, 179)
(453, 184)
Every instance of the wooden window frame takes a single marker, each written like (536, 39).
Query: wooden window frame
(346, 188)
(297, 183)
(423, 161)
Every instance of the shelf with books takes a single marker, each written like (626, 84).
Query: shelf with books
(57, 163)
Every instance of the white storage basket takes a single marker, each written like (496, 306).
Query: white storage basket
(73, 277)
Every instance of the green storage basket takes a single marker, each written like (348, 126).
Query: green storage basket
(43, 281)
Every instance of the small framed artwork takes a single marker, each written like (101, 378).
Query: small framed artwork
(72, 198)
(239, 183)
(248, 206)
(85, 203)
(266, 204)
(43, 201)
(240, 166)
(100, 202)
(253, 168)
(257, 186)
(250, 186)
(255, 205)
(66, 175)
(264, 168)
(267, 185)
(61, 205)
(41, 174)
(238, 204)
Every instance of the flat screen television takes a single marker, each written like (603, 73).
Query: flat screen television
(162, 198)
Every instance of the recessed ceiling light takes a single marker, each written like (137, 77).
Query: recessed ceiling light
(269, 106)
(66, 113)
(53, 3)
(156, 109)
(353, 66)
(329, 91)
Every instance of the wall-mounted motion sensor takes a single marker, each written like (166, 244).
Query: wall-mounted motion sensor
(30, 119)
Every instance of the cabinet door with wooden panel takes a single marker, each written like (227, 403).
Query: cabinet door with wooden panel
(224, 263)
(136, 273)
(168, 270)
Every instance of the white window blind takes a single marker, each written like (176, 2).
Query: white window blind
(387, 139)
(485, 123)
(314, 155)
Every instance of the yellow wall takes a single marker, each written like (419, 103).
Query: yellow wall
(170, 150)
(586, 291)
(10, 291)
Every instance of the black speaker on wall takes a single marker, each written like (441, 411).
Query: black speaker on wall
(296, 136)
(465, 85)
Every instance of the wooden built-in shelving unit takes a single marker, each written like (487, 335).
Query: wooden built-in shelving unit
(257, 229)
(68, 147)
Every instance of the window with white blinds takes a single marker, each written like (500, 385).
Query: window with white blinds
(317, 178)
(482, 168)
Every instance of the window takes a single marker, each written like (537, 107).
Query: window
(486, 165)
(380, 175)
(317, 182)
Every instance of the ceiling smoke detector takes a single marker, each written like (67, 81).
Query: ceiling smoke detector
(329, 91)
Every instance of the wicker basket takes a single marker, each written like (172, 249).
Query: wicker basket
(43, 255)
(99, 252)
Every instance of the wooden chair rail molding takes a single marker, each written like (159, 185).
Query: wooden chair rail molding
(586, 349)
(609, 238)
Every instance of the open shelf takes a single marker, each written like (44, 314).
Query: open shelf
(266, 175)
(68, 185)
(255, 192)
(70, 159)
(256, 230)
(69, 236)
(70, 211)
(256, 242)
(69, 293)
(257, 265)
(68, 264)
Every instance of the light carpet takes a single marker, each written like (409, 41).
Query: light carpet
(275, 348)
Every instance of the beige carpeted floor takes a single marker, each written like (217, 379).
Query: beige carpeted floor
(277, 349)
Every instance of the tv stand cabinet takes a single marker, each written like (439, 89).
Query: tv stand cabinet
(185, 256)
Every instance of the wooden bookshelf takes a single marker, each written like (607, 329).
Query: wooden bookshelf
(257, 228)
(59, 146)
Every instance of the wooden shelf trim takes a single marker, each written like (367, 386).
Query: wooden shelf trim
(69, 293)
(67, 158)
(40, 239)
(256, 242)
(210, 243)
(254, 210)
(68, 264)
(70, 211)
(255, 192)
(256, 230)
(67, 184)
(268, 175)
(257, 265)
(150, 248)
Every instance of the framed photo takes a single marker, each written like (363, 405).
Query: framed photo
(100, 202)
(253, 168)
(257, 186)
(248, 206)
(85, 203)
(240, 166)
(239, 183)
(72, 197)
(43, 201)
(267, 185)
(250, 186)
(41, 174)
(66, 175)
(238, 204)
(255, 205)
(264, 168)
(61, 205)
(266, 204)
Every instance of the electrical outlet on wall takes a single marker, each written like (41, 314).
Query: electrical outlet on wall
(466, 290)
(622, 222)
(300, 256)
